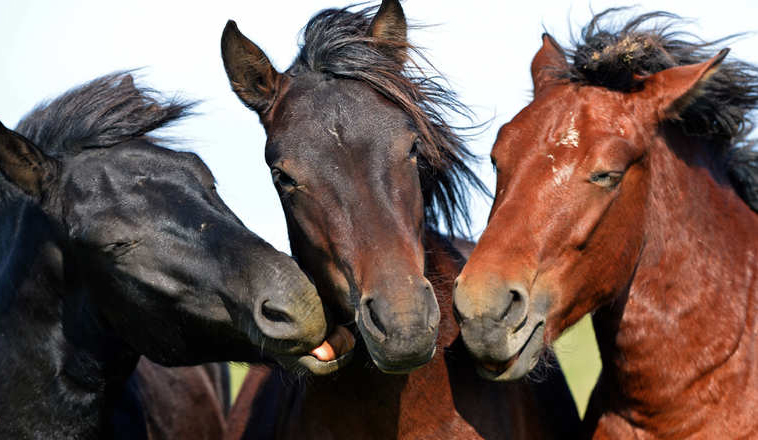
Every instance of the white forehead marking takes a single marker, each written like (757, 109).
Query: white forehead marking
(621, 130)
(571, 137)
(551, 157)
(561, 175)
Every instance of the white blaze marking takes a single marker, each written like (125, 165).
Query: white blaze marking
(571, 138)
(561, 175)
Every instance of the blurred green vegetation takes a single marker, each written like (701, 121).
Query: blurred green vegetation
(579, 357)
(576, 350)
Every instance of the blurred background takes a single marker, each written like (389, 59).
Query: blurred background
(483, 48)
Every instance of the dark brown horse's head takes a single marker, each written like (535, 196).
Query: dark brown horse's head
(566, 229)
(352, 153)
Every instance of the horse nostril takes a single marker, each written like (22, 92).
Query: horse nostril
(375, 318)
(515, 300)
(271, 313)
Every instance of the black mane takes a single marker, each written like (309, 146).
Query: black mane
(335, 43)
(613, 56)
(101, 113)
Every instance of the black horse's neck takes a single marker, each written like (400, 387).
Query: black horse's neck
(62, 377)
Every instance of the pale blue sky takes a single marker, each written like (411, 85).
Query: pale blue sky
(483, 47)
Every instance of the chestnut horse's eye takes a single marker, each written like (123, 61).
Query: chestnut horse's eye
(283, 179)
(607, 179)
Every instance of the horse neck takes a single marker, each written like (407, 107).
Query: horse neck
(61, 364)
(685, 324)
(360, 401)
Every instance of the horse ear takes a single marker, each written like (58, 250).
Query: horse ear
(390, 28)
(250, 73)
(673, 89)
(23, 164)
(549, 59)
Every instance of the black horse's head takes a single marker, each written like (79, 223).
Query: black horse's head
(363, 163)
(144, 243)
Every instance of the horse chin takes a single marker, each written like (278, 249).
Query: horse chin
(519, 364)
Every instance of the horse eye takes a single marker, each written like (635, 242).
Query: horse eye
(607, 179)
(413, 154)
(283, 179)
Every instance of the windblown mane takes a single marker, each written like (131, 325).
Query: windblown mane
(613, 56)
(335, 43)
(101, 113)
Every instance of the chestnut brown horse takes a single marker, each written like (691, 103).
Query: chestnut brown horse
(618, 194)
(365, 166)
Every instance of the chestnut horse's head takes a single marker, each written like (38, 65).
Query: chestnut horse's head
(573, 179)
(362, 162)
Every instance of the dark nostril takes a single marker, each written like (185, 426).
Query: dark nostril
(515, 301)
(271, 313)
(375, 318)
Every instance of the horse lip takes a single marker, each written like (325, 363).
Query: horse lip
(513, 368)
(318, 367)
(388, 369)
(323, 368)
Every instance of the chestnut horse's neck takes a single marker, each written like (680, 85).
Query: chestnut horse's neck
(681, 345)
(443, 399)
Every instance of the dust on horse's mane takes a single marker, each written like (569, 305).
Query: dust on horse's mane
(101, 113)
(335, 43)
(615, 56)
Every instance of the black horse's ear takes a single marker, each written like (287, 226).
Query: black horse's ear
(23, 164)
(251, 75)
(390, 30)
(548, 60)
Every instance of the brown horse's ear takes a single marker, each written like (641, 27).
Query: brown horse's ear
(549, 60)
(23, 164)
(250, 73)
(390, 29)
(670, 91)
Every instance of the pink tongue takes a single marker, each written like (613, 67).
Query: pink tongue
(338, 343)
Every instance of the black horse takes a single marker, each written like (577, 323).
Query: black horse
(112, 247)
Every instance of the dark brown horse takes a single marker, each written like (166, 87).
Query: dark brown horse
(112, 247)
(365, 166)
(618, 194)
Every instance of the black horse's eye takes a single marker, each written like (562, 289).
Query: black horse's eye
(120, 248)
(606, 179)
(283, 179)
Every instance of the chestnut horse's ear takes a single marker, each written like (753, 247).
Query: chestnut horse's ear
(25, 165)
(670, 91)
(250, 73)
(548, 60)
(389, 27)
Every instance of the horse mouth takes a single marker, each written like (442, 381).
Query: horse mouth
(520, 363)
(334, 352)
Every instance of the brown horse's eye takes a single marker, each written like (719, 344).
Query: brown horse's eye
(283, 179)
(413, 154)
(607, 179)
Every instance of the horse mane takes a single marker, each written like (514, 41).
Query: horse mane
(614, 56)
(103, 112)
(335, 43)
